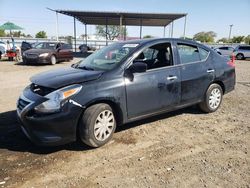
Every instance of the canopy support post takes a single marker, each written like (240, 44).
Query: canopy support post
(125, 35)
(86, 34)
(172, 29)
(185, 24)
(140, 28)
(164, 31)
(57, 35)
(120, 32)
(75, 32)
(106, 31)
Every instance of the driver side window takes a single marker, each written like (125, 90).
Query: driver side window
(157, 56)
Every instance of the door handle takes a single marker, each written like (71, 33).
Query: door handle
(210, 70)
(171, 78)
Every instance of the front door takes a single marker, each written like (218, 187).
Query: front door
(156, 89)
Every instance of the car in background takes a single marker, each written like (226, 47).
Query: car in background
(2, 48)
(242, 52)
(85, 48)
(225, 50)
(48, 53)
(123, 82)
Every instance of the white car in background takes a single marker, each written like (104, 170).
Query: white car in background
(225, 50)
(3, 48)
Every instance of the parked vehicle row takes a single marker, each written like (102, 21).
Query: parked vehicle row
(121, 83)
(240, 52)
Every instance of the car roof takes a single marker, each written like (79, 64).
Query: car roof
(145, 41)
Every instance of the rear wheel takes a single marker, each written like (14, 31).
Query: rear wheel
(240, 56)
(97, 125)
(53, 60)
(213, 99)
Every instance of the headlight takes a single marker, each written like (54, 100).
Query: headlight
(24, 53)
(44, 55)
(57, 98)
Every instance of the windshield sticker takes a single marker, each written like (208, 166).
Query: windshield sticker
(130, 45)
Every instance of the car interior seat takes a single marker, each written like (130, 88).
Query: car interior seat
(162, 59)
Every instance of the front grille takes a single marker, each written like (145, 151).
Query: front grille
(32, 56)
(21, 104)
(40, 90)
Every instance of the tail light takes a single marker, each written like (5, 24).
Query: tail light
(231, 63)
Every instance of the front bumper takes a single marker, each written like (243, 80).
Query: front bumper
(47, 129)
(36, 60)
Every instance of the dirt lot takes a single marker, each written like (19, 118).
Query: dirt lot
(185, 148)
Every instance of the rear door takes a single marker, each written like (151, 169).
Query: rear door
(64, 51)
(156, 89)
(197, 72)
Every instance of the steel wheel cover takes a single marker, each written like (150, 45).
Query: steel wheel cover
(214, 98)
(104, 125)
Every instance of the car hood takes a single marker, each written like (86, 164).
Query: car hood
(65, 76)
(39, 51)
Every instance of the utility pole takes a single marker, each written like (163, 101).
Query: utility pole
(230, 31)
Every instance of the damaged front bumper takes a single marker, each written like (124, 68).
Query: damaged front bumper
(47, 129)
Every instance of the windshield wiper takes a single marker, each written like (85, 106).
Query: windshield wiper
(85, 68)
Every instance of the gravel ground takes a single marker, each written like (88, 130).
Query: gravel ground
(185, 148)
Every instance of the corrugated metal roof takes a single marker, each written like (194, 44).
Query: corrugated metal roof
(128, 18)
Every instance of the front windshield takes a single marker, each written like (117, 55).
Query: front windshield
(44, 45)
(108, 57)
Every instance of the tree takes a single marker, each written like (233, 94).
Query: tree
(223, 40)
(247, 39)
(148, 36)
(205, 36)
(112, 31)
(2, 33)
(238, 39)
(41, 34)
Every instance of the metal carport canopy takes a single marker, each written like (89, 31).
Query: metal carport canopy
(124, 18)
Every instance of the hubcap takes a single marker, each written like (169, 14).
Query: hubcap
(53, 60)
(104, 125)
(215, 98)
(240, 56)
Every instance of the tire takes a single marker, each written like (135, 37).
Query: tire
(240, 56)
(53, 60)
(213, 99)
(97, 125)
(0, 55)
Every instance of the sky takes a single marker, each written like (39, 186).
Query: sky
(203, 15)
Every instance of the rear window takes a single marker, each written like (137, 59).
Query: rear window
(223, 48)
(188, 53)
(203, 54)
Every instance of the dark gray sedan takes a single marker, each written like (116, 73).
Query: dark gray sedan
(121, 83)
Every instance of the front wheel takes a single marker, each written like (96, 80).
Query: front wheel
(97, 125)
(53, 60)
(240, 56)
(213, 99)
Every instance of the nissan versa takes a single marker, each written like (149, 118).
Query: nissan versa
(120, 83)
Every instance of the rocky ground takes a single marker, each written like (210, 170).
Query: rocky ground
(185, 148)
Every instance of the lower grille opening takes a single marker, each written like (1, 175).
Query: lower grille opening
(21, 104)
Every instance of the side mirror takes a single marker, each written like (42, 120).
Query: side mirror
(138, 66)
